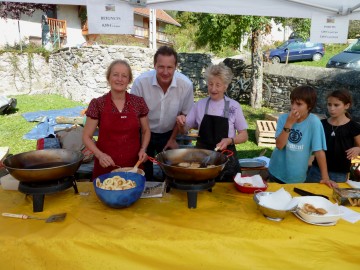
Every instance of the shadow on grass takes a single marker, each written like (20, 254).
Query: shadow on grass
(9, 111)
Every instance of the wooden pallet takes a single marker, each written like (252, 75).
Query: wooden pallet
(265, 133)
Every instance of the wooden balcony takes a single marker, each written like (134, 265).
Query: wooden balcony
(57, 27)
(144, 33)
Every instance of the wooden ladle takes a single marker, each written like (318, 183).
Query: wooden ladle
(135, 169)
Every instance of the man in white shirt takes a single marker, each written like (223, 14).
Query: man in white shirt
(167, 93)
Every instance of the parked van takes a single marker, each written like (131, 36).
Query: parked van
(348, 59)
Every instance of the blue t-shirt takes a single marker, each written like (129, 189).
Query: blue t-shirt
(291, 163)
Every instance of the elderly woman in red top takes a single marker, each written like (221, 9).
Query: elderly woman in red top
(124, 132)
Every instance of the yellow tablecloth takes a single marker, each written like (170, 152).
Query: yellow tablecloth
(225, 231)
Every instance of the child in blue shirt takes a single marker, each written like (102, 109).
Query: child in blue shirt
(299, 133)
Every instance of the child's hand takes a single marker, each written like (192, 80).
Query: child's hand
(329, 183)
(352, 152)
(293, 117)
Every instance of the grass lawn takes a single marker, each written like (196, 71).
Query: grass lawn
(13, 126)
(330, 51)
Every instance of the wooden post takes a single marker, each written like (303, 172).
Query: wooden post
(287, 56)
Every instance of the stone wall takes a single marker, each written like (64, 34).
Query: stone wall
(24, 74)
(282, 78)
(79, 74)
(193, 65)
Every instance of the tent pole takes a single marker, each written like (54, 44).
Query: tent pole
(20, 36)
(351, 10)
(152, 28)
(313, 5)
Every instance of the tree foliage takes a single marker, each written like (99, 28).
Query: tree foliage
(299, 25)
(182, 37)
(13, 10)
(219, 31)
(354, 29)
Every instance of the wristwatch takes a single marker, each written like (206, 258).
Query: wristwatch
(287, 130)
(232, 141)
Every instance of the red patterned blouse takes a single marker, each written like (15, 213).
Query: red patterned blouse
(132, 104)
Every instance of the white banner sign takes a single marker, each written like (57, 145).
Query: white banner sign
(329, 29)
(110, 17)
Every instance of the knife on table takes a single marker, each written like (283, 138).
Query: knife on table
(307, 193)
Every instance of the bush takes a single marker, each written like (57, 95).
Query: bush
(26, 48)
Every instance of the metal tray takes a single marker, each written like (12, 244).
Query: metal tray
(343, 196)
(251, 163)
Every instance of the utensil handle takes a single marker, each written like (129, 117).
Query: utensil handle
(15, 215)
(229, 152)
(307, 193)
(137, 164)
(153, 160)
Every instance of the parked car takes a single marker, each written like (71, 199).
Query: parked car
(296, 50)
(294, 35)
(348, 59)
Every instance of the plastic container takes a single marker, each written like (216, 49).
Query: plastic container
(9, 183)
(250, 184)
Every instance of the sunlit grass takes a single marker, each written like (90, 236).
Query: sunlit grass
(250, 148)
(330, 51)
(13, 126)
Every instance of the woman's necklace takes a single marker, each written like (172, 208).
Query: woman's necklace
(340, 121)
(333, 130)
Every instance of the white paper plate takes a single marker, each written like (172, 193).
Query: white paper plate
(353, 184)
(333, 211)
(312, 223)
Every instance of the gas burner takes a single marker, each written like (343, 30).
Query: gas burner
(39, 189)
(191, 187)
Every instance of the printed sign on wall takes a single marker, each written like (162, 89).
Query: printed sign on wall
(329, 29)
(110, 17)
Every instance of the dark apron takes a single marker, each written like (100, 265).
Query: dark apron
(212, 130)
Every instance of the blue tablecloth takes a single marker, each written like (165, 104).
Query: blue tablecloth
(47, 124)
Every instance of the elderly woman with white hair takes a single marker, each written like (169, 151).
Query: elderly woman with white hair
(220, 119)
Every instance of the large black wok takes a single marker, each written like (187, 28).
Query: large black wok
(43, 165)
(168, 160)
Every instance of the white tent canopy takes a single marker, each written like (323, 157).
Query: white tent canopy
(278, 8)
(330, 18)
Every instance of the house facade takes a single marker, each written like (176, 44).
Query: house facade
(28, 29)
(67, 30)
(142, 22)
